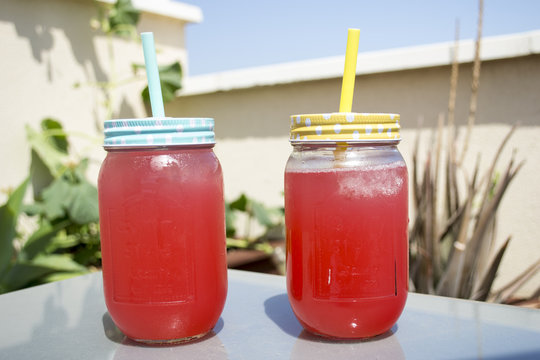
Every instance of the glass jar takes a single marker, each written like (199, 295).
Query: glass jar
(346, 215)
(162, 224)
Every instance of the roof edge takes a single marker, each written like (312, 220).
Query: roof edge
(397, 59)
(168, 8)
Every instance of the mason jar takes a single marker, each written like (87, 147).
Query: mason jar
(346, 215)
(162, 223)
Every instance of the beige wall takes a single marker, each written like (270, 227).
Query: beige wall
(263, 111)
(48, 46)
(252, 129)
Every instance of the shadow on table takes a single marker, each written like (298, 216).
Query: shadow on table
(385, 346)
(278, 309)
(210, 345)
(113, 333)
(307, 345)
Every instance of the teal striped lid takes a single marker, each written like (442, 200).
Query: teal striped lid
(158, 131)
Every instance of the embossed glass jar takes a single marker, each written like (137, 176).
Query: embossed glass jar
(346, 206)
(162, 226)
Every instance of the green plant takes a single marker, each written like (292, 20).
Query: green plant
(271, 219)
(65, 210)
(451, 242)
(241, 216)
(120, 19)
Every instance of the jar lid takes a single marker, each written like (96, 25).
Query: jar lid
(349, 127)
(158, 131)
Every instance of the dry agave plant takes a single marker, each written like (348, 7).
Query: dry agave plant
(452, 237)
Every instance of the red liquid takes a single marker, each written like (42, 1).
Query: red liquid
(163, 242)
(347, 249)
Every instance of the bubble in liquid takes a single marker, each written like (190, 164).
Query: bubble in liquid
(370, 182)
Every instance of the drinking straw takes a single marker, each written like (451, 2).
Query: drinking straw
(349, 73)
(152, 74)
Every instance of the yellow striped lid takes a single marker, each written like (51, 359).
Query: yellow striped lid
(349, 127)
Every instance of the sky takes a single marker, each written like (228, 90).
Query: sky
(242, 33)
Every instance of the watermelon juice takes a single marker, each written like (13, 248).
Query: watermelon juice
(163, 241)
(347, 247)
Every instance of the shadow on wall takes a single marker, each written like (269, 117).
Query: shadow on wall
(37, 20)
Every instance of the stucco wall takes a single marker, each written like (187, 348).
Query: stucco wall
(252, 129)
(47, 47)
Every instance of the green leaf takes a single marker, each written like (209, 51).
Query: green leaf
(57, 276)
(230, 221)
(40, 174)
(59, 138)
(77, 200)
(237, 243)
(23, 274)
(62, 240)
(33, 209)
(83, 206)
(170, 77)
(89, 254)
(239, 204)
(58, 263)
(56, 198)
(9, 214)
(26, 273)
(261, 213)
(49, 151)
(53, 158)
(40, 240)
(80, 170)
(123, 18)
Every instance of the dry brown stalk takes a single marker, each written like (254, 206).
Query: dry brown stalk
(416, 186)
(452, 252)
(487, 282)
(451, 201)
(461, 244)
(506, 292)
(437, 267)
(475, 82)
(485, 255)
(491, 171)
(485, 216)
(454, 75)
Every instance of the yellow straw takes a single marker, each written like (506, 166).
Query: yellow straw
(349, 74)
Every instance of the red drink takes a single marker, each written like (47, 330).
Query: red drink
(163, 241)
(347, 249)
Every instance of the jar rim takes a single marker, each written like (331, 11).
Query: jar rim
(158, 147)
(344, 127)
(158, 131)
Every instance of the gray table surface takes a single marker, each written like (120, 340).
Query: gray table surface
(69, 320)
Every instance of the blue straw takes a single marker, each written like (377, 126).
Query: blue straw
(152, 74)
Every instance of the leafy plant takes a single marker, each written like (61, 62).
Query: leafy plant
(65, 207)
(121, 19)
(66, 241)
(248, 212)
(170, 78)
(271, 219)
(451, 246)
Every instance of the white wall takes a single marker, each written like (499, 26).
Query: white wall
(47, 47)
(252, 129)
